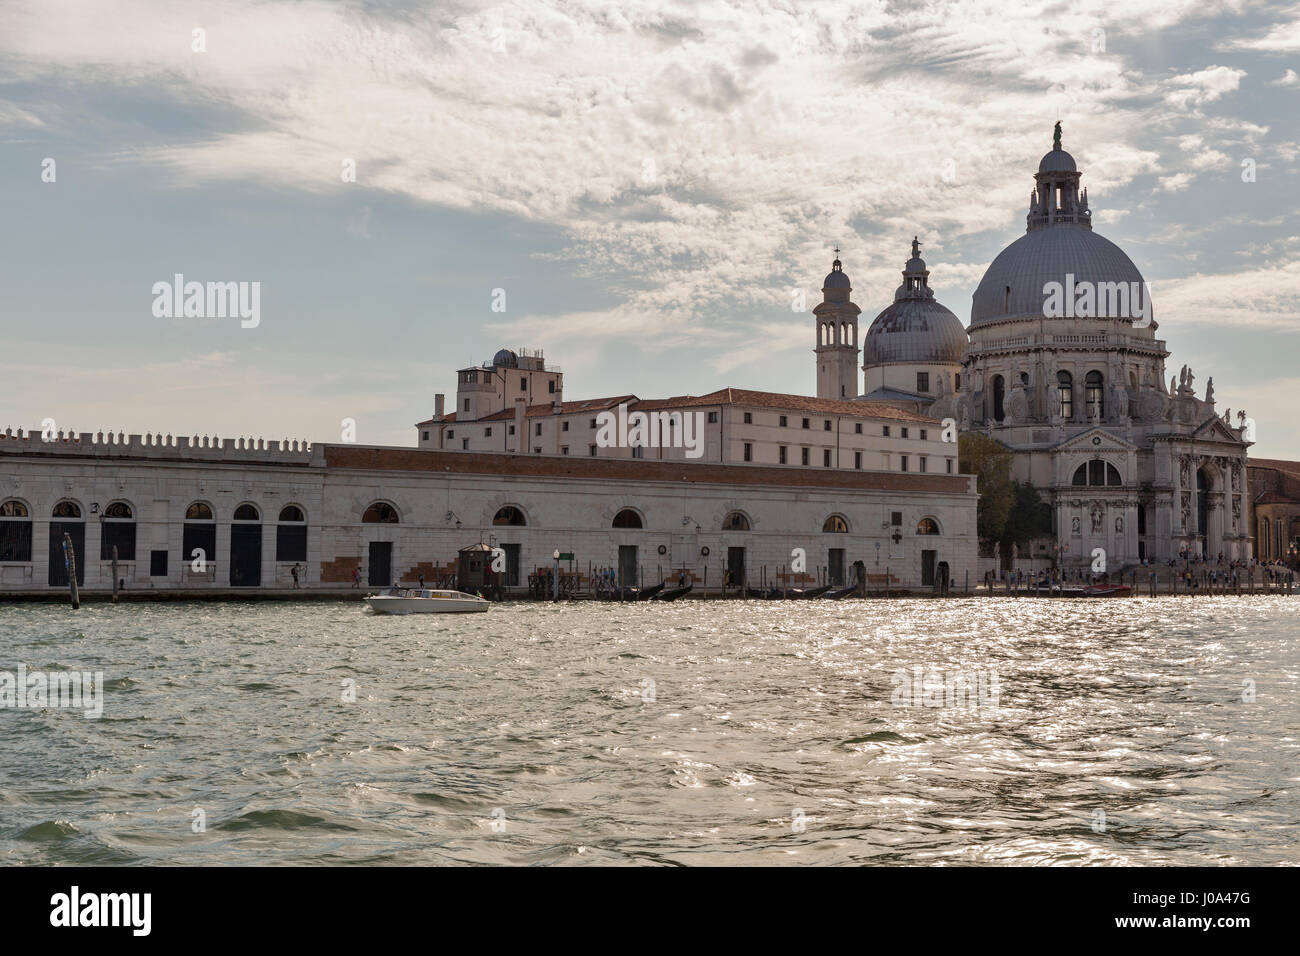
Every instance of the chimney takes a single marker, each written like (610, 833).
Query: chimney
(521, 428)
(438, 401)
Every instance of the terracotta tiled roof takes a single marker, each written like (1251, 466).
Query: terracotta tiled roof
(538, 411)
(1273, 498)
(631, 469)
(1278, 464)
(724, 396)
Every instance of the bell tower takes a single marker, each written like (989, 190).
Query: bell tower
(837, 337)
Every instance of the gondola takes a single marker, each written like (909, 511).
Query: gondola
(671, 594)
(840, 593)
(810, 593)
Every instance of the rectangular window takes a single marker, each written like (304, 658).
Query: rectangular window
(922, 461)
(922, 381)
(510, 429)
(564, 449)
(826, 457)
(924, 434)
(781, 454)
(857, 460)
(564, 426)
(464, 444)
(638, 451)
(749, 418)
(538, 429)
(157, 564)
(467, 404)
(857, 428)
(291, 542)
(950, 466)
(593, 423)
(904, 458)
(424, 436)
(487, 432)
(885, 431)
(551, 383)
(537, 451)
(806, 424)
(713, 418)
(904, 432)
(120, 533)
(896, 518)
(15, 540)
(749, 451)
(523, 384)
(804, 452)
(591, 450)
(451, 433)
(783, 421)
(826, 425)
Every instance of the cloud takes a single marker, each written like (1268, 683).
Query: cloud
(1203, 86)
(1289, 78)
(1267, 297)
(1281, 38)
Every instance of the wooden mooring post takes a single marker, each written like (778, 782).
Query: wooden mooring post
(70, 562)
(114, 574)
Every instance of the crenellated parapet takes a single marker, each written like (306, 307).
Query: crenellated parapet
(155, 446)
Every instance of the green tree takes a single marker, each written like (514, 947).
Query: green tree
(990, 462)
(1030, 517)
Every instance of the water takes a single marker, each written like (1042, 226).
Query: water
(533, 734)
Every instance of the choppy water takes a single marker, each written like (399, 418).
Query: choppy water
(687, 733)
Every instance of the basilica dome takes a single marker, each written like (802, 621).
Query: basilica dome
(915, 328)
(1013, 284)
(1058, 244)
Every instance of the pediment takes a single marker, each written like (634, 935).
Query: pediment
(1215, 430)
(1095, 440)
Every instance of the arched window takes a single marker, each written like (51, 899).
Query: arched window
(999, 393)
(291, 535)
(735, 521)
(836, 524)
(117, 531)
(1097, 473)
(15, 531)
(1065, 387)
(247, 512)
(381, 512)
(627, 518)
(199, 533)
(927, 526)
(509, 515)
(66, 509)
(1092, 383)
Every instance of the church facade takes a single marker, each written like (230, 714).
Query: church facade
(1061, 364)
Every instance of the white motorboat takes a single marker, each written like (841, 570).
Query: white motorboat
(425, 601)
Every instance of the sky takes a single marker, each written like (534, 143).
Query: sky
(641, 189)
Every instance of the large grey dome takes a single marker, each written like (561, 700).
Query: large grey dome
(914, 330)
(1012, 286)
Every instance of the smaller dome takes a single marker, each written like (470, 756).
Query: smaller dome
(836, 279)
(1057, 161)
(506, 358)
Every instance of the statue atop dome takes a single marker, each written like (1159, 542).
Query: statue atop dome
(1056, 136)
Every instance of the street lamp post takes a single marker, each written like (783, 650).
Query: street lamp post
(555, 594)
